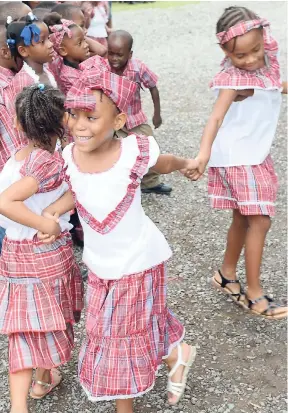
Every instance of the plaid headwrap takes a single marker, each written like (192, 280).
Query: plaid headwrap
(59, 31)
(241, 28)
(267, 77)
(117, 88)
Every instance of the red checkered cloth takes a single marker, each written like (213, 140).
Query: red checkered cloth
(250, 189)
(44, 350)
(46, 168)
(9, 138)
(129, 330)
(114, 217)
(95, 77)
(59, 31)
(267, 77)
(40, 285)
(138, 72)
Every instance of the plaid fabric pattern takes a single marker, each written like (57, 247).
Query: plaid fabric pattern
(115, 216)
(9, 139)
(40, 285)
(95, 77)
(129, 330)
(241, 28)
(250, 189)
(46, 168)
(44, 350)
(59, 31)
(268, 77)
(138, 72)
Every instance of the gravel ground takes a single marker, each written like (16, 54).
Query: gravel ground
(241, 363)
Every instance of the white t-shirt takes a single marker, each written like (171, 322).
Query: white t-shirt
(248, 130)
(119, 239)
(97, 26)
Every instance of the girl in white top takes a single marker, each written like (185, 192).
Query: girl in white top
(237, 141)
(98, 28)
(40, 285)
(129, 327)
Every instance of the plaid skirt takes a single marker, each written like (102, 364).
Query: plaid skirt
(40, 286)
(250, 189)
(129, 329)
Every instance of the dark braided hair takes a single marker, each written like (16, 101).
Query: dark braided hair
(14, 31)
(40, 111)
(234, 15)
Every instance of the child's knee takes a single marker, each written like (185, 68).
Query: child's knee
(239, 220)
(259, 222)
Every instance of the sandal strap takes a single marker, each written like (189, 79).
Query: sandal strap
(43, 383)
(271, 304)
(179, 362)
(224, 281)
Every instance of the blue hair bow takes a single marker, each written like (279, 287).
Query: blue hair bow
(11, 42)
(29, 33)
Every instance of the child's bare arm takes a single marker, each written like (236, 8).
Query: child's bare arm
(13, 207)
(170, 163)
(62, 205)
(284, 90)
(225, 98)
(157, 120)
(95, 47)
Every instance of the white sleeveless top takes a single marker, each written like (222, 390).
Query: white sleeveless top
(119, 238)
(248, 130)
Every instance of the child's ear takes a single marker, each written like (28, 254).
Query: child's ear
(131, 54)
(23, 51)
(120, 121)
(62, 51)
(5, 53)
(224, 50)
(65, 118)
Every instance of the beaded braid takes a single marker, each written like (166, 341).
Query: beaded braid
(40, 111)
(233, 15)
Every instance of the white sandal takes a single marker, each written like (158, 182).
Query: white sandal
(177, 389)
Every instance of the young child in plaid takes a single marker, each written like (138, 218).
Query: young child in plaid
(237, 142)
(8, 69)
(129, 328)
(122, 63)
(40, 285)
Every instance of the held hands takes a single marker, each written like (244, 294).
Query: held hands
(53, 228)
(157, 120)
(195, 168)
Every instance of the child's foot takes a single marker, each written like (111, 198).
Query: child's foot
(265, 307)
(179, 363)
(229, 286)
(40, 388)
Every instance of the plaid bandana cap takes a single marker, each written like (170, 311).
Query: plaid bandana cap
(241, 28)
(59, 31)
(117, 88)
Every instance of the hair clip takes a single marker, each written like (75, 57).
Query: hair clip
(10, 41)
(32, 16)
(41, 87)
(9, 20)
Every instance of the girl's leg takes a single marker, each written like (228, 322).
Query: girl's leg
(235, 242)
(124, 406)
(20, 383)
(171, 360)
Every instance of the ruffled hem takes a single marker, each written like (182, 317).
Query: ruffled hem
(126, 367)
(31, 305)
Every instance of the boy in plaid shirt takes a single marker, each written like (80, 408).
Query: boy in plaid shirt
(121, 62)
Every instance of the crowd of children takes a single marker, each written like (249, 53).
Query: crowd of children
(72, 126)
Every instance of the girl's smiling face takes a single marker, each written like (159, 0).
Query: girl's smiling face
(42, 51)
(93, 129)
(246, 52)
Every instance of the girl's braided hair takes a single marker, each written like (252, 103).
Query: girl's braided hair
(234, 15)
(40, 111)
(13, 34)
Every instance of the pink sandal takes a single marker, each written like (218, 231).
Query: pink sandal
(55, 377)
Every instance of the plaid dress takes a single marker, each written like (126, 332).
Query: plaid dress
(40, 285)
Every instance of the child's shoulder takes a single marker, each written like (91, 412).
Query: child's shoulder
(67, 152)
(136, 64)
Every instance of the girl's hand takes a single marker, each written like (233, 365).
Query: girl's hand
(157, 121)
(194, 173)
(49, 237)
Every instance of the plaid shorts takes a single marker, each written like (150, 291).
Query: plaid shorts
(250, 189)
(129, 330)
